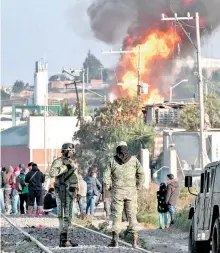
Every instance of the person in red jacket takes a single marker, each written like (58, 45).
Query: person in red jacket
(13, 181)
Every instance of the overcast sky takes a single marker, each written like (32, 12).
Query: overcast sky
(35, 29)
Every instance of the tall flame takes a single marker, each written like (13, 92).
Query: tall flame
(156, 46)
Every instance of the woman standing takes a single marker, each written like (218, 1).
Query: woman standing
(162, 206)
(24, 192)
(7, 188)
(93, 187)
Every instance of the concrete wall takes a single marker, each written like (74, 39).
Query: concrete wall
(187, 146)
(58, 131)
(14, 155)
(37, 156)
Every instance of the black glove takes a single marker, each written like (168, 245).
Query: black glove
(69, 164)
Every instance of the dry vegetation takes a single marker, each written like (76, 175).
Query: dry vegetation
(147, 207)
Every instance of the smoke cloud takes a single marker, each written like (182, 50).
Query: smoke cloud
(129, 21)
(111, 19)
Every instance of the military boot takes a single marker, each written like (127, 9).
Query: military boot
(135, 241)
(114, 241)
(71, 244)
(63, 239)
(66, 243)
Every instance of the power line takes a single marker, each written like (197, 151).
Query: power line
(200, 77)
(178, 21)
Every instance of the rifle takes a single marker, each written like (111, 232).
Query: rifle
(62, 194)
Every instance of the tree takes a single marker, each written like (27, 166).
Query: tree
(216, 76)
(95, 67)
(18, 86)
(212, 108)
(118, 121)
(189, 117)
(66, 109)
(4, 95)
(59, 77)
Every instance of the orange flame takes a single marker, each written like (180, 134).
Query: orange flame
(187, 2)
(157, 46)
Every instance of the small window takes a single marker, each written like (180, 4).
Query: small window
(202, 183)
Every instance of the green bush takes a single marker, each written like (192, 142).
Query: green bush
(182, 221)
(147, 206)
(148, 218)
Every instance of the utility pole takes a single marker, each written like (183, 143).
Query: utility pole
(83, 94)
(101, 72)
(139, 51)
(83, 85)
(45, 130)
(201, 92)
(139, 77)
(206, 88)
(87, 75)
(200, 78)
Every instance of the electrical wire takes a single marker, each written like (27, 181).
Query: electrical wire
(184, 23)
(183, 29)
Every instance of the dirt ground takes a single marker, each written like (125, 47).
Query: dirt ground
(165, 241)
(156, 240)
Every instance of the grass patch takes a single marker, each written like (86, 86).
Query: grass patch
(182, 221)
(148, 219)
(84, 223)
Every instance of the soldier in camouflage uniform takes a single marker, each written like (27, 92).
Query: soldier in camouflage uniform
(64, 171)
(125, 175)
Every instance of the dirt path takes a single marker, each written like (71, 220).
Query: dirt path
(165, 241)
(156, 240)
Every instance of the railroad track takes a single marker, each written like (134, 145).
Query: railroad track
(27, 234)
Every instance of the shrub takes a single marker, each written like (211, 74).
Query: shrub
(147, 206)
(182, 221)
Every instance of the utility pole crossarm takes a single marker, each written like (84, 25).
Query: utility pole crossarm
(124, 52)
(176, 18)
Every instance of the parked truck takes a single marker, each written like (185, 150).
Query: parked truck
(204, 213)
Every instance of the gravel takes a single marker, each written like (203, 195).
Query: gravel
(45, 229)
(13, 240)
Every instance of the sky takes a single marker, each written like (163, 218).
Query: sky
(59, 32)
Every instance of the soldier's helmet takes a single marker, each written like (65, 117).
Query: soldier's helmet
(67, 147)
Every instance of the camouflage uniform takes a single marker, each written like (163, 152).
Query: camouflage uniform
(126, 179)
(58, 170)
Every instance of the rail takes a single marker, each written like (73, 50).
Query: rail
(39, 244)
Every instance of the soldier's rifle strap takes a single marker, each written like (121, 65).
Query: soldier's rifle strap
(65, 179)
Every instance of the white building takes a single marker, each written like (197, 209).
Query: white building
(37, 141)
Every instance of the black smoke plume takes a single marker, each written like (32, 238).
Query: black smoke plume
(110, 19)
